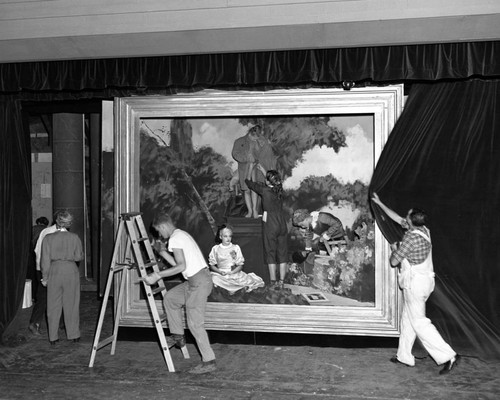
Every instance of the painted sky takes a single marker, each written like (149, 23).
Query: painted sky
(352, 162)
(355, 161)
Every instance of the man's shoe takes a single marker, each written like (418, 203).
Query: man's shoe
(396, 361)
(53, 342)
(178, 341)
(449, 365)
(204, 368)
(34, 329)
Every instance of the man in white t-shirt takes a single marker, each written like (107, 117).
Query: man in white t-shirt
(192, 294)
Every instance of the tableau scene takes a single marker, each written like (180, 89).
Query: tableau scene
(195, 168)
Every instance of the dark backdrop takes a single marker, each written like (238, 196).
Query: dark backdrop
(442, 154)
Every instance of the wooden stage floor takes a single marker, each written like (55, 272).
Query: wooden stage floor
(250, 366)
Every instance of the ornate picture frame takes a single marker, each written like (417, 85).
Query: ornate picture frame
(383, 103)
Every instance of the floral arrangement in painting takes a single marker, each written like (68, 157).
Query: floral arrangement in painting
(348, 272)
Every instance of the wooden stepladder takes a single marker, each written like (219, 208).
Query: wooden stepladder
(132, 231)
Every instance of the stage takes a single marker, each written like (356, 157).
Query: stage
(250, 366)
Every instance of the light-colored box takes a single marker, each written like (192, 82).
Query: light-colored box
(27, 298)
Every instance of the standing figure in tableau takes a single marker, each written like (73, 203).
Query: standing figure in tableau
(274, 227)
(249, 150)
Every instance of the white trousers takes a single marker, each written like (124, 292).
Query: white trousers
(415, 324)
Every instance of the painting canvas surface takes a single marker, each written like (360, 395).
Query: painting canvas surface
(188, 169)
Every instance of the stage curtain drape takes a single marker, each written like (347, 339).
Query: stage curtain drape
(443, 155)
(15, 213)
(106, 78)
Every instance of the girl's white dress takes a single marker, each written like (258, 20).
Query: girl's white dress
(227, 258)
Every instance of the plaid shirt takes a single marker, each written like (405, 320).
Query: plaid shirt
(413, 247)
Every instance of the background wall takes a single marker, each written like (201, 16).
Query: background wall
(41, 185)
(77, 29)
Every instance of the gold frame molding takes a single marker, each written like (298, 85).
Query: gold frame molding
(384, 103)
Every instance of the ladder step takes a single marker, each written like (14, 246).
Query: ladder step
(142, 239)
(130, 215)
(159, 289)
(125, 265)
(119, 268)
(163, 317)
(105, 342)
(150, 264)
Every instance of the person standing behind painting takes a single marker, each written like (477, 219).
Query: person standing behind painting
(274, 227)
(416, 279)
(192, 294)
(61, 251)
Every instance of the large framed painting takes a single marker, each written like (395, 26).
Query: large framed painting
(188, 155)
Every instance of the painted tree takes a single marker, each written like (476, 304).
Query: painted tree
(172, 173)
(291, 137)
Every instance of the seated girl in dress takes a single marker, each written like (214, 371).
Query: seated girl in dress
(226, 262)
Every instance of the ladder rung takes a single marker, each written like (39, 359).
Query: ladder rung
(150, 264)
(125, 265)
(163, 317)
(157, 290)
(130, 215)
(142, 239)
(105, 342)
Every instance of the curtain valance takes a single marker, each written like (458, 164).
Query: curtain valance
(317, 66)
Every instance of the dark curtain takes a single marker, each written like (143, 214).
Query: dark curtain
(443, 155)
(106, 78)
(15, 213)
(256, 70)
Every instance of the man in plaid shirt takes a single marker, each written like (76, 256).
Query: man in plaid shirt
(413, 247)
(416, 278)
